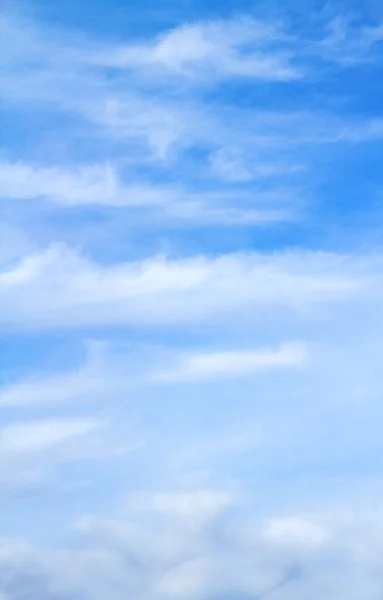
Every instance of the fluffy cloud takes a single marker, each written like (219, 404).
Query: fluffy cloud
(189, 545)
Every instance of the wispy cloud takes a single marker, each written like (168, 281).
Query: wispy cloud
(65, 288)
(213, 50)
(227, 364)
(164, 115)
(79, 384)
(242, 366)
(40, 435)
(29, 450)
(97, 184)
(115, 370)
(102, 185)
(348, 43)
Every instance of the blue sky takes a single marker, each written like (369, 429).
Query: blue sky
(191, 289)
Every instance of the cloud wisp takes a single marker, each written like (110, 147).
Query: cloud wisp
(65, 288)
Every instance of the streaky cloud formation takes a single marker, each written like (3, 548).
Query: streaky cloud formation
(63, 284)
(232, 363)
(215, 49)
(191, 301)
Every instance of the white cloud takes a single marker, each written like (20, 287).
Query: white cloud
(215, 49)
(190, 507)
(97, 184)
(153, 121)
(115, 371)
(348, 43)
(234, 363)
(241, 165)
(128, 108)
(105, 372)
(244, 144)
(298, 531)
(33, 453)
(157, 556)
(30, 450)
(61, 287)
(102, 185)
(37, 436)
(218, 49)
(82, 383)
